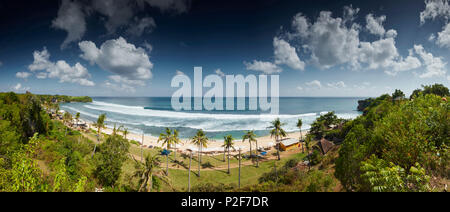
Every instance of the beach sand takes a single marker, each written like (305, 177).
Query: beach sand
(213, 146)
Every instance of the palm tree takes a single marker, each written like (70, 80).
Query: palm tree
(167, 140)
(176, 140)
(100, 125)
(77, 117)
(67, 118)
(299, 125)
(145, 172)
(201, 141)
(250, 136)
(125, 133)
(277, 132)
(115, 129)
(228, 143)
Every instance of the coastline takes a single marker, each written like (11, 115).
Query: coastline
(213, 145)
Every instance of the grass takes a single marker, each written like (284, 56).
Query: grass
(179, 177)
(216, 173)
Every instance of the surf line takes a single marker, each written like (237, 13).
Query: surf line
(256, 90)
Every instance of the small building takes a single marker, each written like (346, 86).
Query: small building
(289, 143)
(324, 146)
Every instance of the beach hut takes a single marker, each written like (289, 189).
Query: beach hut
(288, 144)
(325, 146)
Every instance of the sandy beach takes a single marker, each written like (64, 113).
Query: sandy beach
(213, 145)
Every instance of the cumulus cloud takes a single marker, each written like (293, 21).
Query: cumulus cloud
(265, 67)
(434, 66)
(332, 41)
(130, 65)
(18, 88)
(443, 38)
(336, 85)
(219, 72)
(23, 75)
(286, 54)
(434, 9)
(60, 70)
(438, 9)
(375, 24)
(121, 88)
(314, 84)
(71, 19)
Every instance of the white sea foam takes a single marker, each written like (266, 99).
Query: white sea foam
(136, 117)
(140, 111)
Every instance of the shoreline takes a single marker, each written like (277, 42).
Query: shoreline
(213, 146)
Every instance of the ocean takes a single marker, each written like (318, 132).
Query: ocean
(151, 115)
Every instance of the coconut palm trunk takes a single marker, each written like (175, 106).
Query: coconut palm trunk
(278, 147)
(151, 181)
(189, 180)
(239, 182)
(228, 160)
(224, 153)
(167, 164)
(257, 155)
(199, 160)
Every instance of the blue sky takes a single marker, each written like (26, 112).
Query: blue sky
(135, 47)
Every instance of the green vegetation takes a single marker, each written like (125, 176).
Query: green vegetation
(63, 99)
(397, 145)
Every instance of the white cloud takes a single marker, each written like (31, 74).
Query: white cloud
(329, 40)
(300, 88)
(443, 38)
(19, 88)
(350, 13)
(375, 24)
(265, 67)
(23, 75)
(333, 41)
(59, 70)
(336, 85)
(314, 84)
(434, 66)
(434, 9)
(219, 72)
(121, 88)
(286, 54)
(71, 19)
(301, 25)
(119, 57)
(432, 37)
(130, 65)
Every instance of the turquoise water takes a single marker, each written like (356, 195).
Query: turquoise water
(152, 115)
